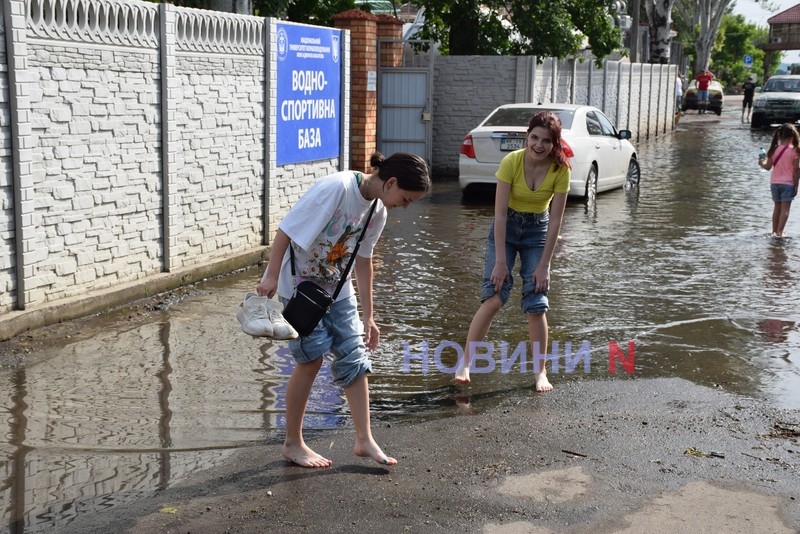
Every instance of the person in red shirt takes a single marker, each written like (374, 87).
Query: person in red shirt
(703, 79)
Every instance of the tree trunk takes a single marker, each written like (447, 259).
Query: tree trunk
(243, 7)
(659, 15)
(464, 28)
(709, 17)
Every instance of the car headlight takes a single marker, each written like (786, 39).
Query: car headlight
(759, 103)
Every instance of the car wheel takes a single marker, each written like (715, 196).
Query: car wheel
(634, 174)
(755, 124)
(591, 185)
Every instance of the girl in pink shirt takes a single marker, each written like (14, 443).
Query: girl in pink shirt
(783, 157)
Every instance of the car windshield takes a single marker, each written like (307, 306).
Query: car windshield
(782, 85)
(522, 116)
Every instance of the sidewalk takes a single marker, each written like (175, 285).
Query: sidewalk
(16, 322)
(628, 455)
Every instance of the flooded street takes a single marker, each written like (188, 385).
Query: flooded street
(684, 269)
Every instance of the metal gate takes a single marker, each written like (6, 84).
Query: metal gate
(404, 107)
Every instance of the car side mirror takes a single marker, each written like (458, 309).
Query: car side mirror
(624, 134)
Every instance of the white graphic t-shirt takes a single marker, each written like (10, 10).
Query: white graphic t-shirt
(324, 227)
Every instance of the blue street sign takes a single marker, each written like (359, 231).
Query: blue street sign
(748, 61)
(309, 93)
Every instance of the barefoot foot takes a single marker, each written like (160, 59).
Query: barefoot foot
(462, 375)
(542, 383)
(304, 457)
(370, 449)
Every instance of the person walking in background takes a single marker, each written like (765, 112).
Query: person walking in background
(678, 98)
(703, 80)
(322, 229)
(749, 90)
(532, 187)
(678, 92)
(783, 157)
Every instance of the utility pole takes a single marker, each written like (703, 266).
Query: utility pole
(635, 32)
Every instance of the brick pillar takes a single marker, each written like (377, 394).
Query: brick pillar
(390, 29)
(363, 103)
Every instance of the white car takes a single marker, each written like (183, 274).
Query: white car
(777, 102)
(601, 156)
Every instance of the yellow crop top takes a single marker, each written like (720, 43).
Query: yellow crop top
(522, 199)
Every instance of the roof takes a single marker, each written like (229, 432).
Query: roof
(791, 15)
(540, 105)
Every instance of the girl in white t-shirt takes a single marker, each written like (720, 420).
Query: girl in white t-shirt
(323, 228)
(783, 157)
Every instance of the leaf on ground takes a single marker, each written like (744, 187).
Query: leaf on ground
(693, 451)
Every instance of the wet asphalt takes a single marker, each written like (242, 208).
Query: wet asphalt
(617, 455)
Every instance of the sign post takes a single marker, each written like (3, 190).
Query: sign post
(748, 61)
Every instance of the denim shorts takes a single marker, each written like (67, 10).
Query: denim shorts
(782, 192)
(526, 234)
(340, 332)
(702, 94)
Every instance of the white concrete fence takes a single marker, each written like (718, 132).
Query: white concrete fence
(139, 139)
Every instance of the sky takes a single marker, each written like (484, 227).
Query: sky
(758, 15)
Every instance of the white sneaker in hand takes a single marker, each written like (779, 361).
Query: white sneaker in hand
(261, 317)
(281, 329)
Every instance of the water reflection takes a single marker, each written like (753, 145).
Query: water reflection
(134, 409)
(684, 267)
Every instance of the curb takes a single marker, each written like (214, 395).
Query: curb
(16, 322)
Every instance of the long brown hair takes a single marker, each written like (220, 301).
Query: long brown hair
(551, 122)
(785, 131)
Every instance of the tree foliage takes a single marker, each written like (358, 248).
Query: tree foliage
(735, 39)
(556, 28)
(318, 12)
(699, 23)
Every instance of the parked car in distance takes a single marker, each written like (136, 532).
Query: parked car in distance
(777, 102)
(601, 156)
(715, 97)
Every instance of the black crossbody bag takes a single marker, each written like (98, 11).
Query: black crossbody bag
(310, 303)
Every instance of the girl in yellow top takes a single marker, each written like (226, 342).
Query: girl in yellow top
(529, 181)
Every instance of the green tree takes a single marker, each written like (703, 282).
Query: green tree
(735, 39)
(318, 12)
(554, 28)
(698, 24)
(557, 28)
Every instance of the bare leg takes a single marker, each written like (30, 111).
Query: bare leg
(297, 392)
(478, 329)
(783, 217)
(776, 217)
(537, 326)
(357, 395)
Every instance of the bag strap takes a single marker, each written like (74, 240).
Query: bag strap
(352, 256)
(355, 250)
(785, 147)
